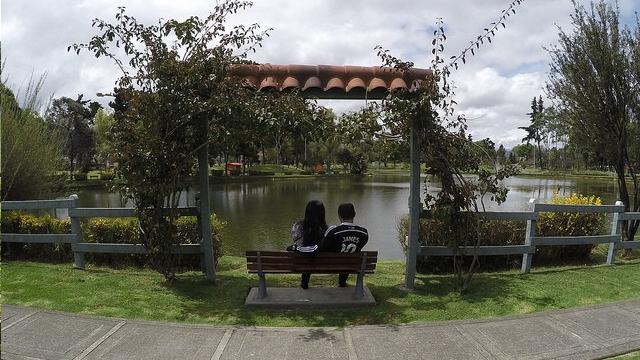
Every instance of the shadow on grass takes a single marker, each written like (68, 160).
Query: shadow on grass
(192, 299)
(434, 298)
(224, 302)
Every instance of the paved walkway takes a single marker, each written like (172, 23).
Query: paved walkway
(586, 333)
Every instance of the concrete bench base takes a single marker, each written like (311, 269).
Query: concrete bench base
(310, 298)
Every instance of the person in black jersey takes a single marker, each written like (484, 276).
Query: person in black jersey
(306, 234)
(346, 237)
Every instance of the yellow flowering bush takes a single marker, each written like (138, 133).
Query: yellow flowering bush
(498, 233)
(569, 224)
(97, 230)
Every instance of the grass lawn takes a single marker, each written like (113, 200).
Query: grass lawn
(630, 356)
(143, 294)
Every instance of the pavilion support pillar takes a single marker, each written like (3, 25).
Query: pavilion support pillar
(205, 209)
(415, 209)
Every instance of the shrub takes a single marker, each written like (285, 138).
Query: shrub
(569, 224)
(217, 172)
(253, 172)
(19, 223)
(99, 230)
(80, 176)
(499, 233)
(493, 233)
(29, 150)
(107, 175)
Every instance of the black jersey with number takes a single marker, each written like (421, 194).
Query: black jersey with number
(346, 238)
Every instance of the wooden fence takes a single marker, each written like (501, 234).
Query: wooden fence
(527, 250)
(531, 241)
(76, 213)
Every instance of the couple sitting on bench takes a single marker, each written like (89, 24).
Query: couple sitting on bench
(311, 235)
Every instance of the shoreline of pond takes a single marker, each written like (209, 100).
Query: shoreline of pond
(90, 184)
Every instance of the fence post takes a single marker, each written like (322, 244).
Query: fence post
(78, 257)
(615, 231)
(205, 211)
(415, 208)
(531, 232)
(199, 217)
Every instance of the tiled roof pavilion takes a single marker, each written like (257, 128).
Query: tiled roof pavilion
(330, 81)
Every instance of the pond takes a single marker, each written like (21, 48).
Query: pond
(259, 213)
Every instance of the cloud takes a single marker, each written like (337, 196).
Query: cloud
(494, 87)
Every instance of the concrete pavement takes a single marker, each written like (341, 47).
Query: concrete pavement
(585, 333)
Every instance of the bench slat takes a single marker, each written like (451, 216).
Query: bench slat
(310, 272)
(311, 260)
(331, 268)
(289, 254)
(347, 261)
(306, 267)
(290, 262)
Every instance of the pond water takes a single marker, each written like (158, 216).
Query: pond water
(259, 213)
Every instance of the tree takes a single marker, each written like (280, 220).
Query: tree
(501, 155)
(594, 78)
(102, 123)
(536, 127)
(486, 150)
(73, 120)
(523, 151)
(30, 152)
(447, 148)
(357, 131)
(326, 138)
(283, 116)
(174, 79)
(513, 159)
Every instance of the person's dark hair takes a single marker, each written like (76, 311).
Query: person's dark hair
(346, 211)
(314, 224)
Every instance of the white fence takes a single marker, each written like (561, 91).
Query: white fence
(531, 241)
(76, 213)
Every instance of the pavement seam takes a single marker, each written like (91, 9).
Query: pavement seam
(222, 344)
(97, 343)
(351, 350)
(19, 320)
(484, 352)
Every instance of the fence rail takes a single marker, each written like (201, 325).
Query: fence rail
(527, 250)
(76, 213)
(39, 238)
(38, 204)
(104, 248)
(531, 241)
(123, 212)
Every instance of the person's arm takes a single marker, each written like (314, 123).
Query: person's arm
(364, 239)
(297, 234)
(328, 241)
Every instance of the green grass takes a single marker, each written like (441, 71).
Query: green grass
(630, 356)
(143, 294)
(276, 168)
(597, 174)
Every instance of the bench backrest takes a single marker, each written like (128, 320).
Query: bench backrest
(283, 262)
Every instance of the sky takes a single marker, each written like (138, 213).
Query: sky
(493, 89)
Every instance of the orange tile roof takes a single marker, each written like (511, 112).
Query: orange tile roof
(329, 81)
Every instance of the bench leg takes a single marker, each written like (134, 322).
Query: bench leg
(262, 287)
(360, 286)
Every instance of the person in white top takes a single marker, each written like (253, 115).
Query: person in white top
(307, 233)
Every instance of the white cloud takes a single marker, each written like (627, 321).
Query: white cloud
(494, 87)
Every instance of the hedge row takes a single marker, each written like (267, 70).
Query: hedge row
(500, 233)
(98, 230)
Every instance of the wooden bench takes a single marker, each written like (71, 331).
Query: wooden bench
(291, 262)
